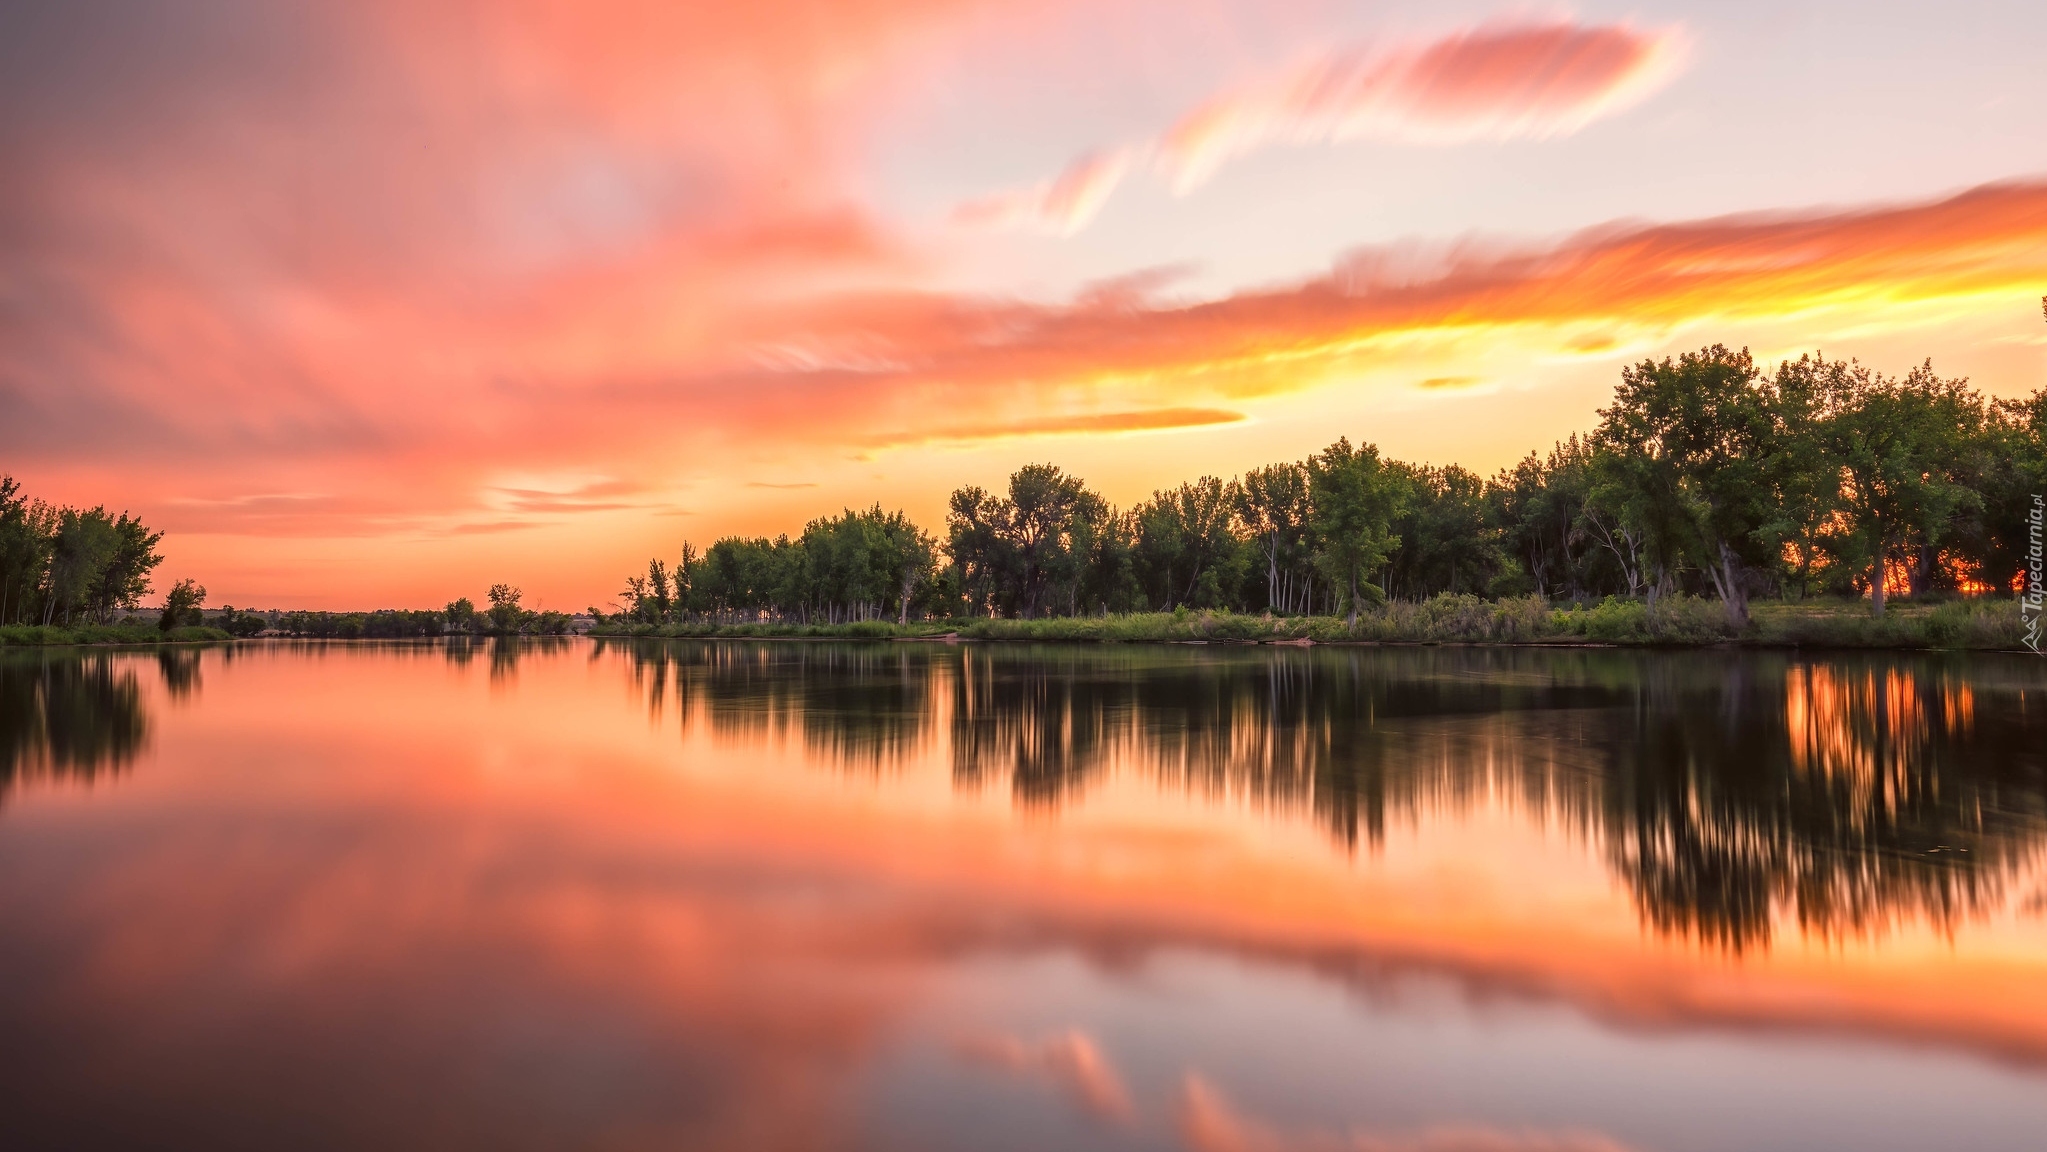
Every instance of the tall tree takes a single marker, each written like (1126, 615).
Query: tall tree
(1897, 443)
(973, 540)
(1042, 505)
(124, 579)
(505, 613)
(85, 546)
(909, 556)
(1016, 554)
(1273, 507)
(1186, 548)
(2017, 438)
(1696, 436)
(28, 535)
(1448, 542)
(1356, 500)
(181, 605)
(1541, 506)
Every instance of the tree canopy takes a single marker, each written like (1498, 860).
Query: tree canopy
(1706, 474)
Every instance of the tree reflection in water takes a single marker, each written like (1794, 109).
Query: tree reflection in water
(1733, 793)
(180, 669)
(67, 717)
(857, 706)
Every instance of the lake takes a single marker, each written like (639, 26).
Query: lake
(625, 895)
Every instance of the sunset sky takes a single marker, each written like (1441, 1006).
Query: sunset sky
(375, 303)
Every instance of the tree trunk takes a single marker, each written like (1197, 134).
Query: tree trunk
(1352, 622)
(1727, 578)
(1272, 572)
(1876, 584)
(1926, 561)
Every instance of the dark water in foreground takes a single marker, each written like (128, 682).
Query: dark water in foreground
(790, 896)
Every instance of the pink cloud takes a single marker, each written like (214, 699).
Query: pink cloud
(1495, 81)
(1061, 206)
(1498, 81)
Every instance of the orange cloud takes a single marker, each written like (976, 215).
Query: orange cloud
(1735, 268)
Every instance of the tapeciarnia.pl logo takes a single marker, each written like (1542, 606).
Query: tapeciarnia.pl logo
(2036, 579)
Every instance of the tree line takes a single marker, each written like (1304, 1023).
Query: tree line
(60, 565)
(1706, 475)
(505, 616)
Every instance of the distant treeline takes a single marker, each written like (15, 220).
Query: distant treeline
(504, 617)
(1707, 475)
(60, 565)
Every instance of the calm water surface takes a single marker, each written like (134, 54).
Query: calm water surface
(793, 896)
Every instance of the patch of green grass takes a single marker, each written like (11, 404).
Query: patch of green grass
(1957, 624)
(1678, 621)
(37, 635)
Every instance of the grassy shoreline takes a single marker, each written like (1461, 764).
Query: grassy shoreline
(1968, 625)
(53, 636)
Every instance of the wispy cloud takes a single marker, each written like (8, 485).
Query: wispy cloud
(1495, 81)
(1618, 277)
(1060, 206)
(1498, 81)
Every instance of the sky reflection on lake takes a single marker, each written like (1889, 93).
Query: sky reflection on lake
(750, 896)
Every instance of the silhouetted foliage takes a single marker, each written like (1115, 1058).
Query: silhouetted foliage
(60, 565)
(1706, 476)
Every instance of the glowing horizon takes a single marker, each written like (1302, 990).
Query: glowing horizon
(374, 305)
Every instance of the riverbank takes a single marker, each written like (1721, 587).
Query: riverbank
(1982, 625)
(41, 636)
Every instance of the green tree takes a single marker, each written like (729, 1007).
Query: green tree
(974, 542)
(1355, 501)
(28, 536)
(1695, 438)
(2017, 449)
(1273, 507)
(685, 578)
(908, 555)
(181, 605)
(1448, 541)
(1899, 445)
(1016, 554)
(505, 614)
(1541, 508)
(1186, 551)
(124, 578)
(1104, 543)
(659, 601)
(1038, 527)
(85, 547)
